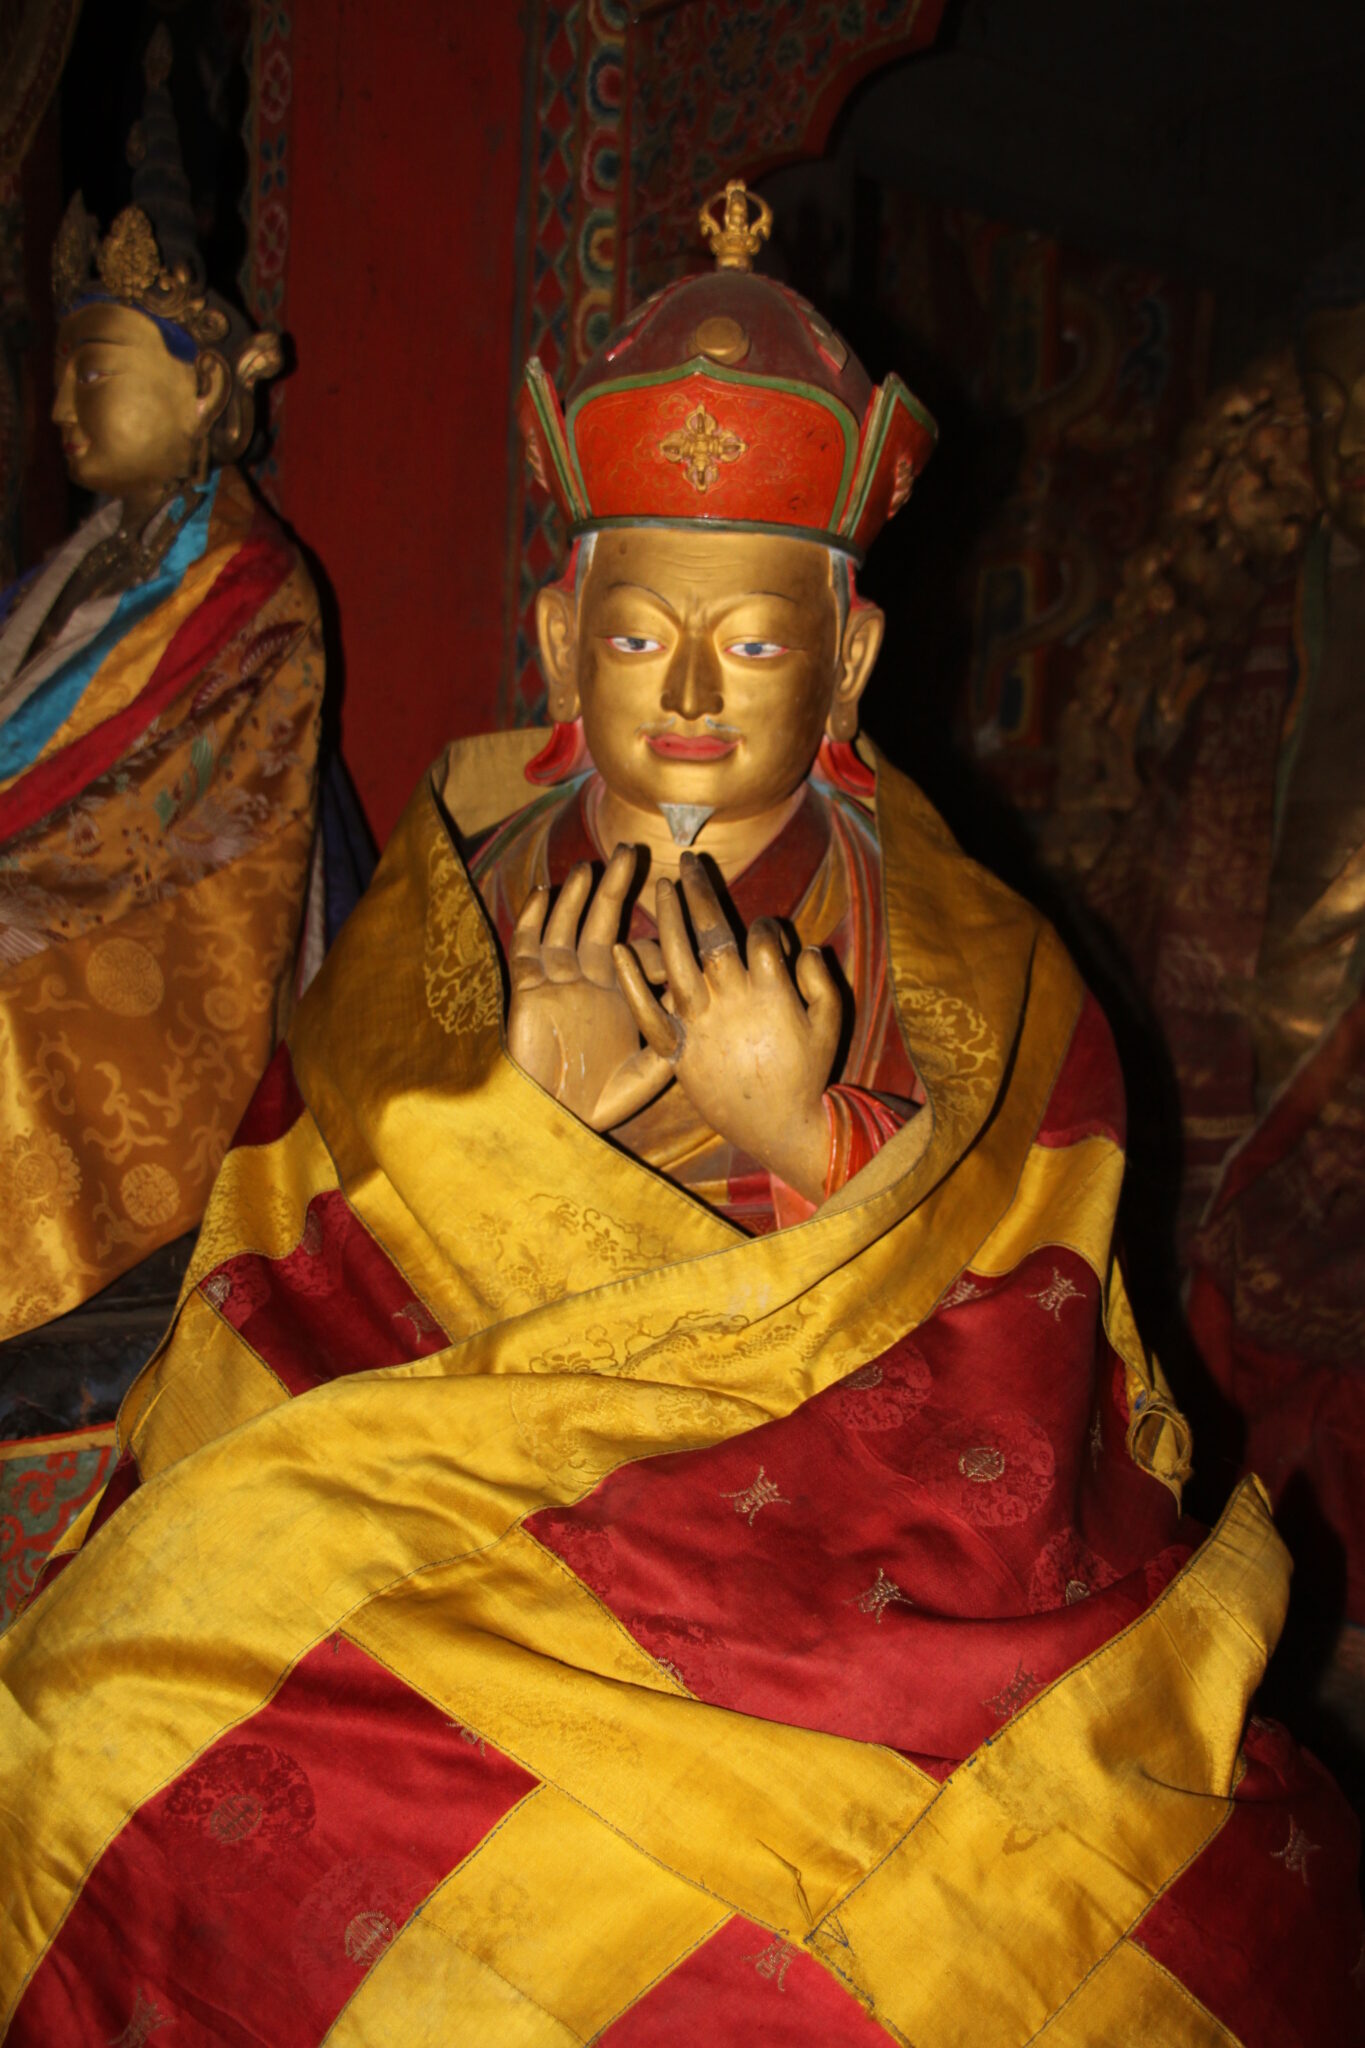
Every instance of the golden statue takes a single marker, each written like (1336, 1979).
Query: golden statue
(160, 683)
(653, 1516)
(1223, 840)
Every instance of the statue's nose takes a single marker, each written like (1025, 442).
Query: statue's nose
(692, 687)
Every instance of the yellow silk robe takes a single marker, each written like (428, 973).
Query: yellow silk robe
(590, 1318)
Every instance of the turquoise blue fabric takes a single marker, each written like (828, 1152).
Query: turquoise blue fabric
(32, 726)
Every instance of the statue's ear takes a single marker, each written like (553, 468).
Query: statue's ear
(862, 643)
(557, 631)
(212, 386)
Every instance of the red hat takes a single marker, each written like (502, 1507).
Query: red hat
(727, 399)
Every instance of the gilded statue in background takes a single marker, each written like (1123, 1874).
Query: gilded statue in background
(160, 683)
(1238, 506)
(1214, 814)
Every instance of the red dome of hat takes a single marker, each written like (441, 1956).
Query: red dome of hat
(727, 398)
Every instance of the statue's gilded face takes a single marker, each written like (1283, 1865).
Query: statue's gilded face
(1332, 362)
(129, 412)
(705, 665)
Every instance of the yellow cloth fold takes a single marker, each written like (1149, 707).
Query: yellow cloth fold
(599, 1316)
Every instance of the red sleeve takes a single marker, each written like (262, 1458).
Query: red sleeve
(859, 1125)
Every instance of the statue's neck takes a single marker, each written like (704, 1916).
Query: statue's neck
(139, 507)
(732, 843)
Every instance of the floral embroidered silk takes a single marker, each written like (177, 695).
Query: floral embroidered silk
(529, 1609)
(154, 851)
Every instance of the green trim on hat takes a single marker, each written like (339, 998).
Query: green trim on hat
(546, 403)
(817, 534)
(884, 402)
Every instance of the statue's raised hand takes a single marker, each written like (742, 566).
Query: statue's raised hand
(751, 1045)
(570, 1027)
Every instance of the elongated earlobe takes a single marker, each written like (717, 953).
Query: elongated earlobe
(857, 658)
(557, 632)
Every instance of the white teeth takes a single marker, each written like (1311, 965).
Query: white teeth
(685, 821)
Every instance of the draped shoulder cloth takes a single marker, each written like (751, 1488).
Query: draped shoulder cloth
(157, 766)
(527, 1610)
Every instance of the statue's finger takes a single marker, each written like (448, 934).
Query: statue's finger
(650, 957)
(602, 925)
(643, 1076)
(824, 1004)
(766, 957)
(561, 927)
(716, 942)
(660, 1032)
(685, 978)
(525, 970)
(526, 930)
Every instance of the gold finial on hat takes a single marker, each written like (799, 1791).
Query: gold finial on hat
(734, 240)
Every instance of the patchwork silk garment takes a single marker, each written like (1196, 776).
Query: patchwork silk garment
(157, 769)
(531, 1609)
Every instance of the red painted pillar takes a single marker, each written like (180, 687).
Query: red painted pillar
(405, 164)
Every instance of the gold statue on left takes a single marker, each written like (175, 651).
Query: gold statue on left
(160, 683)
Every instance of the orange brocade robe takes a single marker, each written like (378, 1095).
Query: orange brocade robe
(529, 1609)
(153, 864)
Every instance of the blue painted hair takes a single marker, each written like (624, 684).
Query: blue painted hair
(181, 344)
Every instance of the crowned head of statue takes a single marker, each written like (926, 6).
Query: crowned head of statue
(1331, 352)
(721, 465)
(154, 374)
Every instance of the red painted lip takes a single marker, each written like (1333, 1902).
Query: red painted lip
(678, 746)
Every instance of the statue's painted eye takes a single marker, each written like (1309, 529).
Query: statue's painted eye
(755, 650)
(633, 643)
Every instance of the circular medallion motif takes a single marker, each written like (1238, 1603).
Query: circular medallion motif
(236, 1805)
(366, 1938)
(350, 1916)
(150, 1195)
(46, 1173)
(224, 1008)
(124, 978)
(995, 1470)
(885, 1394)
(235, 1817)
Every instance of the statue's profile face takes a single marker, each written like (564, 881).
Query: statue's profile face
(1332, 363)
(129, 413)
(704, 664)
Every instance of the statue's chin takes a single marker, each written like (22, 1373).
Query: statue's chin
(685, 821)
